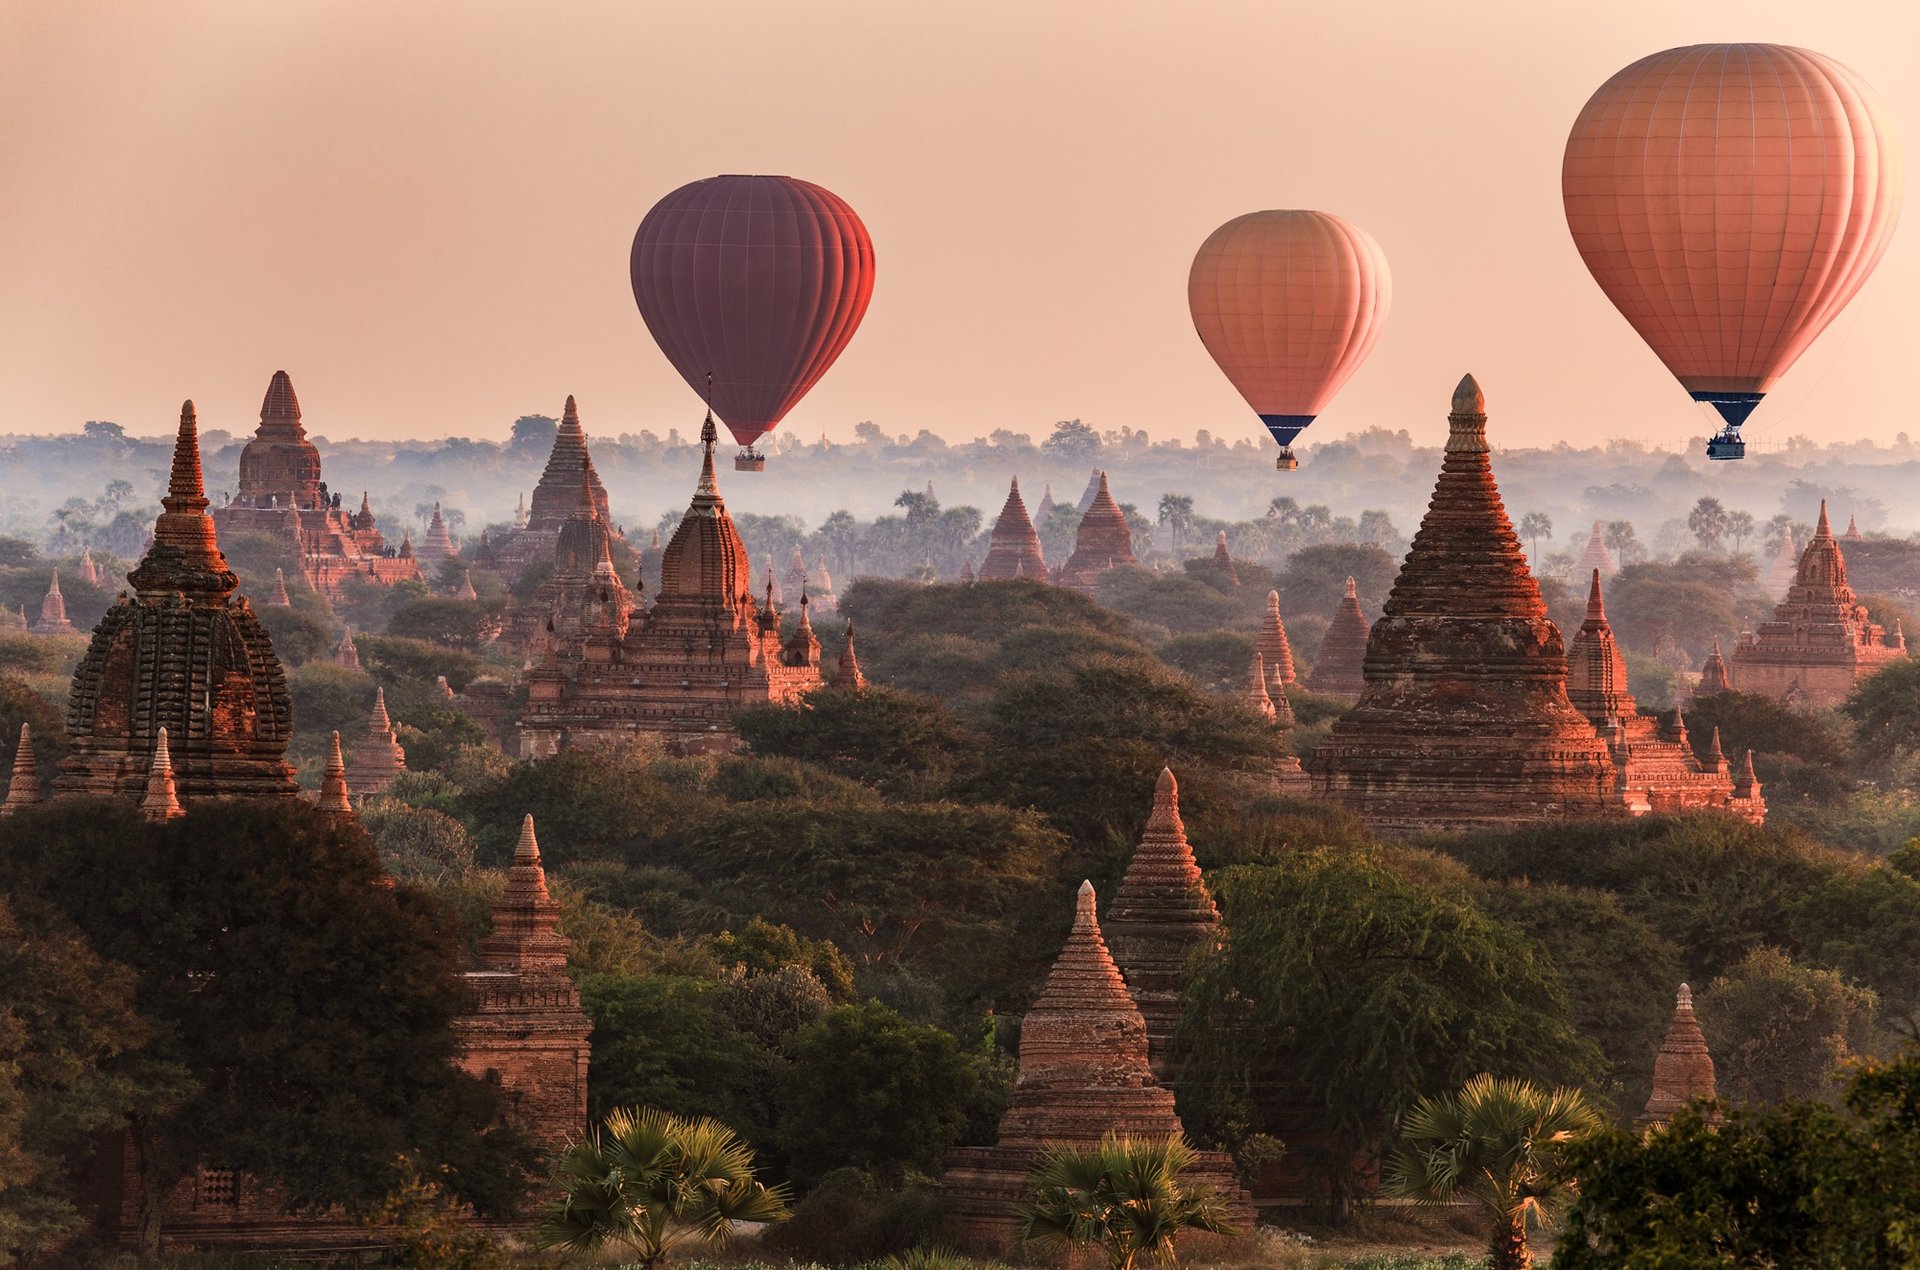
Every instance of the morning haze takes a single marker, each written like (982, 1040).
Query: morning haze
(424, 211)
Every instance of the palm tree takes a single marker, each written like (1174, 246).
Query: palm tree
(647, 1179)
(1501, 1142)
(1533, 527)
(1176, 513)
(1124, 1196)
(1708, 522)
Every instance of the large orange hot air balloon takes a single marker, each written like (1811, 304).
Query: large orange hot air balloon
(752, 286)
(1289, 304)
(1730, 199)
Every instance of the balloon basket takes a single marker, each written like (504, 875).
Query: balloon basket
(1726, 445)
(749, 461)
(1286, 462)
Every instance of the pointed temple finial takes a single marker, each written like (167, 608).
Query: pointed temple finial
(1596, 603)
(1084, 918)
(1716, 759)
(280, 599)
(848, 675)
(380, 722)
(1352, 591)
(1257, 695)
(1823, 529)
(708, 486)
(24, 789)
(1683, 1069)
(526, 852)
(333, 781)
(1467, 424)
(186, 489)
(162, 801)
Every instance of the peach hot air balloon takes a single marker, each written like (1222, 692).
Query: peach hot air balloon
(1289, 303)
(1730, 199)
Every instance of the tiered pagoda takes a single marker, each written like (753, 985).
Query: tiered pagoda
(569, 603)
(528, 1034)
(1014, 550)
(1101, 541)
(555, 497)
(1276, 654)
(1595, 556)
(1683, 1069)
(1853, 533)
(1222, 562)
(378, 758)
(684, 665)
(1159, 916)
(1464, 722)
(184, 653)
(281, 494)
(1083, 1073)
(53, 611)
(1340, 669)
(1655, 769)
(23, 789)
(1820, 641)
(1714, 676)
(437, 547)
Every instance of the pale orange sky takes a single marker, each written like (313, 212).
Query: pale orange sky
(423, 211)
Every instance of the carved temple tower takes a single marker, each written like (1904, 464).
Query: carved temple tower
(1820, 641)
(186, 654)
(685, 664)
(1014, 550)
(282, 494)
(1465, 722)
(556, 496)
(1083, 1073)
(1101, 542)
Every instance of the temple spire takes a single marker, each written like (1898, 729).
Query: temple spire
(333, 781)
(708, 487)
(848, 675)
(1683, 1069)
(280, 599)
(1257, 695)
(185, 555)
(162, 801)
(525, 936)
(24, 789)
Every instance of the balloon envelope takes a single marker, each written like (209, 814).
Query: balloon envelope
(1730, 199)
(1289, 303)
(759, 281)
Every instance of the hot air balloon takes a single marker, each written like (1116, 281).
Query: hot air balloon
(752, 286)
(1289, 304)
(1730, 199)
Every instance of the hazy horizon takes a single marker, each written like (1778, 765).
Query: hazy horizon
(423, 213)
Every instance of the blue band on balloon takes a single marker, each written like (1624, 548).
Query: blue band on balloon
(1734, 407)
(1286, 427)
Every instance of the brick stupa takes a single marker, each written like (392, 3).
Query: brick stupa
(1465, 722)
(528, 1034)
(1715, 678)
(378, 758)
(23, 790)
(569, 602)
(1654, 770)
(684, 665)
(1014, 550)
(1276, 653)
(53, 611)
(184, 653)
(1820, 641)
(1595, 556)
(1222, 562)
(1159, 916)
(1101, 542)
(437, 547)
(556, 495)
(281, 494)
(1340, 669)
(1083, 1073)
(1683, 1069)
(847, 676)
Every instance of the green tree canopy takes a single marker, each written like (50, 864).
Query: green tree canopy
(1348, 991)
(310, 1007)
